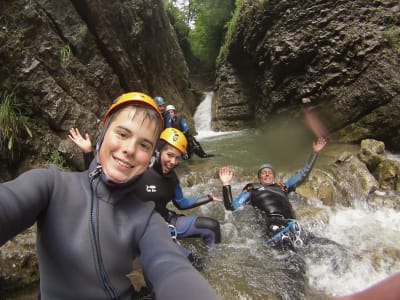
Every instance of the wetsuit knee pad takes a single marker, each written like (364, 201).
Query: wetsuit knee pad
(211, 224)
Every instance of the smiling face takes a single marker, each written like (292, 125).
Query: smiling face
(169, 158)
(171, 113)
(266, 176)
(128, 144)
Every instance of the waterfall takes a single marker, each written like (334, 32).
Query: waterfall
(202, 119)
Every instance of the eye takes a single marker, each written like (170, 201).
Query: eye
(146, 146)
(121, 134)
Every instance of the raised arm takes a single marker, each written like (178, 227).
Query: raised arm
(319, 144)
(226, 175)
(295, 180)
(83, 143)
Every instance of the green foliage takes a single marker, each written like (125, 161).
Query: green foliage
(209, 29)
(178, 20)
(13, 124)
(393, 36)
(200, 26)
(57, 159)
(65, 55)
(43, 4)
(231, 27)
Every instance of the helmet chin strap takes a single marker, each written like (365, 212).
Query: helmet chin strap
(101, 137)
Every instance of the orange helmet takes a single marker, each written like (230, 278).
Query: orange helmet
(175, 138)
(136, 98)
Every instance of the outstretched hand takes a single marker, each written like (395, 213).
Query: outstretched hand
(319, 144)
(84, 143)
(226, 175)
(217, 199)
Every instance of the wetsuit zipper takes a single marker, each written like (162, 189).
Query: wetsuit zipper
(94, 226)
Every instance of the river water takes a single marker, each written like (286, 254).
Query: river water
(355, 245)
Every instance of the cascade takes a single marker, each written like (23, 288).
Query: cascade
(202, 118)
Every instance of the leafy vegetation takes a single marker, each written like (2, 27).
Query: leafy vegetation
(393, 35)
(179, 21)
(65, 55)
(231, 27)
(57, 159)
(13, 124)
(205, 25)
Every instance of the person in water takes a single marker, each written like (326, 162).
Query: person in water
(160, 184)
(179, 122)
(91, 225)
(271, 198)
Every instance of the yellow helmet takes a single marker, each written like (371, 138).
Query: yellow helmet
(133, 97)
(175, 138)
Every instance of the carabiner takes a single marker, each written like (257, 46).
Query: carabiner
(298, 242)
(173, 231)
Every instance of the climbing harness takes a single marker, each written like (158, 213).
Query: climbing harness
(291, 233)
(174, 233)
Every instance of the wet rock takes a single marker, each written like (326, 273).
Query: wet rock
(381, 199)
(18, 262)
(338, 57)
(372, 153)
(385, 170)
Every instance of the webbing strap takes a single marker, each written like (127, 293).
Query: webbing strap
(292, 223)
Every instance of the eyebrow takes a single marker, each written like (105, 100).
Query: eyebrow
(132, 133)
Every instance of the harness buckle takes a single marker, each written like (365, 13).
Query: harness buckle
(173, 231)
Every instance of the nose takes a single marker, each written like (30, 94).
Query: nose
(174, 161)
(129, 146)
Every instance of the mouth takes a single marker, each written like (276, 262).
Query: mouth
(122, 163)
(167, 169)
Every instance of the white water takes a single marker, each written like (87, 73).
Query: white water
(368, 239)
(368, 247)
(365, 234)
(202, 119)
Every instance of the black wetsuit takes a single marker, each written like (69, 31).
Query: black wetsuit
(271, 199)
(193, 145)
(162, 188)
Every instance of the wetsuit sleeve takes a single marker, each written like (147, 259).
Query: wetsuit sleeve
(168, 121)
(87, 158)
(169, 271)
(235, 203)
(184, 126)
(186, 203)
(22, 200)
(296, 179)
